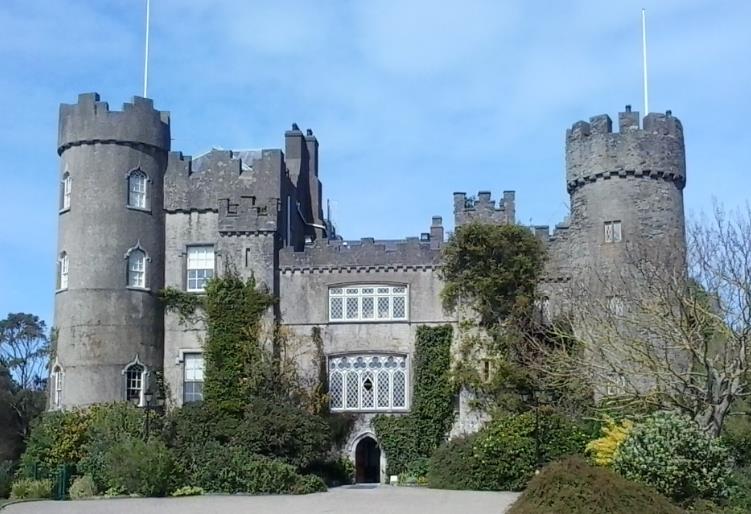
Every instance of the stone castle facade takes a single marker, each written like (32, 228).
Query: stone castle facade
(136, 217)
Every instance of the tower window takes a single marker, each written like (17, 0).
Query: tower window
(57, 386)
(137, 269)
(62, 271)
(65, 187)
(193, 377)
(613, 231)
(616, 305)
(137, 184)
(134, 381)
(200, 267)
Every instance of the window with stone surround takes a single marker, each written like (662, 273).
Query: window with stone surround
(368, 382)
(200, 267)
(193, 365)
(135, 380)
(370, 302)
(136, 268)
(137, 189)
(57, 386)
(613, 231)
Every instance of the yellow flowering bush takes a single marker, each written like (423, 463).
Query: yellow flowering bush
(602, 451)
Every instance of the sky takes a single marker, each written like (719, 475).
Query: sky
(411, 100)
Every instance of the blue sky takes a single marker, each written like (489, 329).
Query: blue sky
(411, 100)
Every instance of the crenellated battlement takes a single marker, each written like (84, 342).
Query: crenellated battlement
(483, 208)
(245, 213)
(595, 152)
(362, 256)
(90, 121)
(199, 183)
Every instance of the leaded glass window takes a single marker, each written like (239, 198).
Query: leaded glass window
(368, 303)
(57, 385)
(368, 382)
(62, 271)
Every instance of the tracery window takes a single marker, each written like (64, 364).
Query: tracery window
(368, 303)
(137, 184)
(368, 382)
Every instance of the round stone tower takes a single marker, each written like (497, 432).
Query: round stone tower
(110, 250)
(626, 191)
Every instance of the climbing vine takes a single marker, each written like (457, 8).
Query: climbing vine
(416, 435)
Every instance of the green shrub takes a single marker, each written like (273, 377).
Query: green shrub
(415, 473)
(503, 455)
(188, 490)
(82, 487)
(138, 467)
(230, 469)
(669, 452)
(7, 468)
(334, 472)
(26, 489)
(278, 429)
(739, 443)
(109, 424)
(308, 484)
(56, 438)
(189, 429)
(454, 466)
(574, 487)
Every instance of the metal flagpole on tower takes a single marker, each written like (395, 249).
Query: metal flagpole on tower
(644, 58)
(146, 52)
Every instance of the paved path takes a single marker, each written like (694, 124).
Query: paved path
(378, 500)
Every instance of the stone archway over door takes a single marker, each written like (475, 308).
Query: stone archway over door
(367, 461)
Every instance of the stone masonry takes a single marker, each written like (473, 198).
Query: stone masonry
(260, 213)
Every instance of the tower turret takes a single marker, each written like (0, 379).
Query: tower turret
(110, 250)
(626, 190)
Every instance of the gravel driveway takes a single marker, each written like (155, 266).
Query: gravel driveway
(357, 499)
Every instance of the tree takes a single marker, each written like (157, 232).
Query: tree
(24, 349)
(24, 354)
(650, 337)
(491, 273)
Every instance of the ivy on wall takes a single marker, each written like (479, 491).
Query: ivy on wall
(416, 435)
(238, 367)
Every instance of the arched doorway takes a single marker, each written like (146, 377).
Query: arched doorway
(367, 461)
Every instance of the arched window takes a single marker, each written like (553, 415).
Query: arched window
(137, 269)
(368, 382)
(62, 271)
(57, 386)
(65, 188)
(137, 185)
(137, 263)
(135, 382)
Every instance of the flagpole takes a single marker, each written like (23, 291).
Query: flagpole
(644, 58)
(146, 52)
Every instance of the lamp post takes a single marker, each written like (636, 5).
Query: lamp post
(152, 401)
(532, 395)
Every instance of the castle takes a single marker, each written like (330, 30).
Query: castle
(136, 217)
